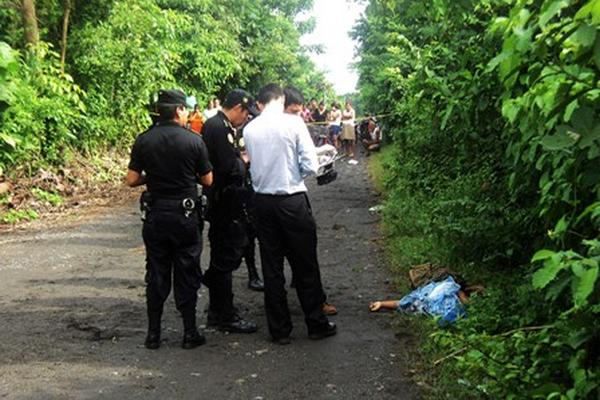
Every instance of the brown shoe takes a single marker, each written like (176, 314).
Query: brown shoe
(329, 309)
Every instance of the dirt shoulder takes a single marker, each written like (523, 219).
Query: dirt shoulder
(73, 316)
(83, 187)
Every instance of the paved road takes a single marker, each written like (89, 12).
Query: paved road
(72, 316)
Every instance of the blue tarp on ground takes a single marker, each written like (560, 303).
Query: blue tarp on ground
(438, 299)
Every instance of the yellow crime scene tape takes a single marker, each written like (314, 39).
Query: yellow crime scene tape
(155, 114)
(355, 119)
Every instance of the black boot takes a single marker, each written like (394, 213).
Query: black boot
(254, 281)
(152, 341)
(328, 330)
(189, 319)
(212, 318)
(191, 337)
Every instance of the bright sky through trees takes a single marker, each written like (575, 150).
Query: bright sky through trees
(335, 18)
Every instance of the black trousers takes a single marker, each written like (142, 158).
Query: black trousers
(249, 251)
(173, 247)
(286, 228)
(228, 240)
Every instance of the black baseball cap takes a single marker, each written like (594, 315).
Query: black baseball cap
(172, 97)
(240, 96)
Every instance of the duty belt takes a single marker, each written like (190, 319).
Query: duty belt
(188, 204)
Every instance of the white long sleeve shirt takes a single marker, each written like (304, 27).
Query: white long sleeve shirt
(281, 151)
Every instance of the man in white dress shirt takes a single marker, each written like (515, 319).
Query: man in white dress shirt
(281, 155)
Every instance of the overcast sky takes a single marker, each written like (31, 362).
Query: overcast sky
(335, 18)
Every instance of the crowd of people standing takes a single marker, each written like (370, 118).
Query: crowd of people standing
(336, 126)
(341, 128)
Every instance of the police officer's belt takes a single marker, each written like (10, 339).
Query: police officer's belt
(187, 204)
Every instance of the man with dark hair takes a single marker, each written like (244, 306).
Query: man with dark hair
(293, 101)
(282, 154)
(169, 160)
(227, 209)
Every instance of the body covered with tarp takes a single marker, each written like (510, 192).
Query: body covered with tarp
(439, 299)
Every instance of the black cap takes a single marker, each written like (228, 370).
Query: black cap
(240, 96)
(171, 97)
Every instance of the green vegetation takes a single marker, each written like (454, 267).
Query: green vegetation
(76, 76)
(491, 167)
(493, 171)
(49, 197)
(14, 216)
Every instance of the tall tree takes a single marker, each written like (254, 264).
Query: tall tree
(30, 24)
(65, 31)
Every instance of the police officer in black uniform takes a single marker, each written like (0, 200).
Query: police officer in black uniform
(170, 160)
(227, 208)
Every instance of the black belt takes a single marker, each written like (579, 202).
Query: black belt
(187, 204)
(149, 202)
(280, 195)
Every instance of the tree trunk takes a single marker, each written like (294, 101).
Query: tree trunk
(32, 33)
(65, 31)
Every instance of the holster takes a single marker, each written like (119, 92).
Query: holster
(145, 201)
(228, 202)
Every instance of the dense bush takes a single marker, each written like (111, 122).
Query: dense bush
(433, 77)
(126, 58)
(496, 142)
(40, 107)
(120, 52)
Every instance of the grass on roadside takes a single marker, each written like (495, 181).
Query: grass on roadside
(51, 198)
(406, 244)
(443, 361)
(84, 179)
(376, 167)
(15, 216)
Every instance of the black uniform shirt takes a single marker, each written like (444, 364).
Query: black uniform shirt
(223, 145)
(172, 157)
